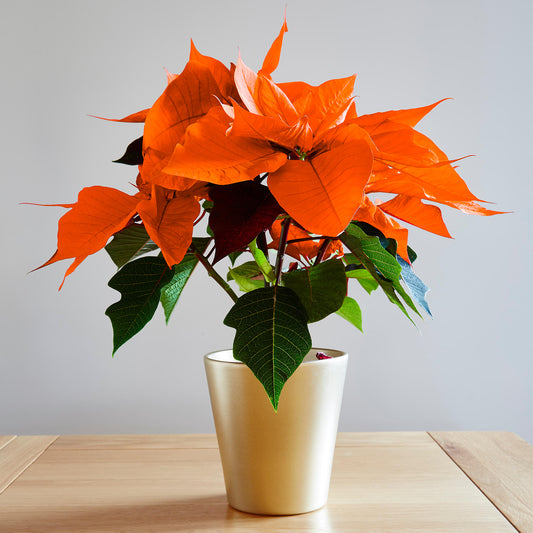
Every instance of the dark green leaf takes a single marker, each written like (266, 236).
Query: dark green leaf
(181, 273)
(133, 154)
(351, 312)
(272, 336)
(207, 205)
(140, 283)
(172, 291)
(321, 288)
(244, 276)
(384, 262)
(233, 256)
(129, 244)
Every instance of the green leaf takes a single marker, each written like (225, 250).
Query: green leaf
(171, 292)
(351, 312)
(363, 276)
(129, 244)
(233, 256)
(321, 288)
(262, 262)
(271, 335)
(140, 283)
(207, 205)
(377, 261)
(244, 274)
(384, 262)
(181, 273)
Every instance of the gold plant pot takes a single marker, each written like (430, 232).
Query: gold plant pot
(276, 463)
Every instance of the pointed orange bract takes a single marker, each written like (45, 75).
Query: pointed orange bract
(322, 194)
(169, 219)
(373, 215)
(140, 116)
(207, 154)
(184, 101)
(271, 61)
(403, 145)
(407, 117)
(246, 124)
(98, 214)
(413, 211)
(221, 74)
(325, 105)
(439, 183)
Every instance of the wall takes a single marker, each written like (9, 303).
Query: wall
(468, 368)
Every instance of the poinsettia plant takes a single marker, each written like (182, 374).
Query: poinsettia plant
(285, 174)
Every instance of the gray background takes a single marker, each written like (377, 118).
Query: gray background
(468, 368)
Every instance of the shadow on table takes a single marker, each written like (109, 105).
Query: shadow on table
(195, 514)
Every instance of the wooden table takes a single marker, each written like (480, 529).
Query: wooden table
(409, 482)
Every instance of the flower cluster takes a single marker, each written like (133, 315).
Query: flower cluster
(284, 166)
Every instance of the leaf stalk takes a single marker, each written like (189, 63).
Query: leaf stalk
(214, 274)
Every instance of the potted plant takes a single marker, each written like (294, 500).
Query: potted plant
(285, 176)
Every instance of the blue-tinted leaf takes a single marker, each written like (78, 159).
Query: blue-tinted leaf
(416, 286)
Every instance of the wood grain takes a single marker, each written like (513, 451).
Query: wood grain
(6, 439)
(18, 453)
(381, 482)
(500, 464)
(134, 442)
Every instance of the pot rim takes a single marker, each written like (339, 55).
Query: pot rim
(226, 356)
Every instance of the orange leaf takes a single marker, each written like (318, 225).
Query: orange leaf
(140, 116)
(438, 183)
(220, 72)
(270, 64)
(246, 124)
(472, 208)
(402, 144)
(273, 102)
(245, 81)
(413, 211)
(323, 193)
(92, 220)
(373, 215)
(325, 105)
(169, 221)
(207, 154)
(153, 172)
(408, 117)
(185, 100)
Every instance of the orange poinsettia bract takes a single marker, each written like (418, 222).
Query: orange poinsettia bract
(218, 125)
(318, 165)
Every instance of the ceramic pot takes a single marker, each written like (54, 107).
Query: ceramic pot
(276, 463)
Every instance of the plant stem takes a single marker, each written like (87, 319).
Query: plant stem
(290, 241)
(214, 274)
(322, 250)
(285, 225)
